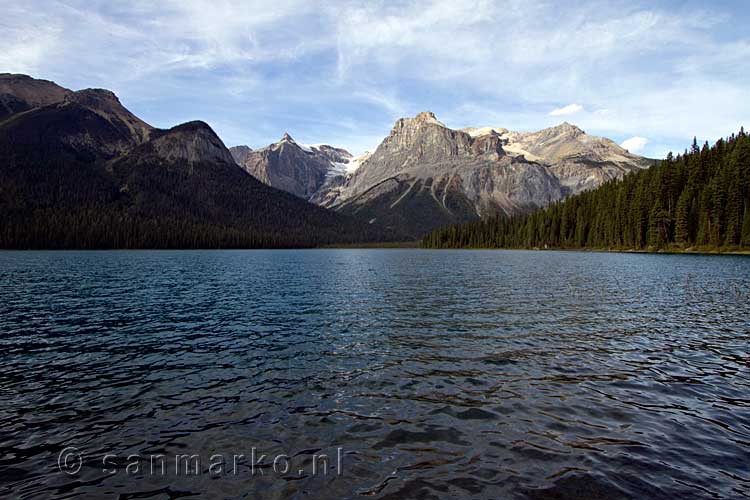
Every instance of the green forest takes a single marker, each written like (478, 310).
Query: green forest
(699, 200)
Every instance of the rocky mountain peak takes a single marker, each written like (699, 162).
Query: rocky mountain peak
(424, 139)
(294, 167)
(94, 96)
(99, 100)
(106, 104)
(191, 142)
(422, 119)
(567, 129)
(427, 117)
(425, 174)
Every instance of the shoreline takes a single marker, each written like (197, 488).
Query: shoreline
(670, 251)
(414, 246)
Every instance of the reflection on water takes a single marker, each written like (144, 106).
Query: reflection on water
(441, 374)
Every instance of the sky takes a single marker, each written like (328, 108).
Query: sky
(648, 74)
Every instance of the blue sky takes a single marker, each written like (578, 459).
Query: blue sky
(653, 73)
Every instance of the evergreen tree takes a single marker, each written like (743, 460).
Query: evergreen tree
(745, 237)
(682, 224)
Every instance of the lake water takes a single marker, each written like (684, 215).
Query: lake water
(419, 374)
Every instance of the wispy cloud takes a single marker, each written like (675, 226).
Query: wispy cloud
(257, 68)
(570, 109)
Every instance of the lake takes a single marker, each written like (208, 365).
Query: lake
(374, 373)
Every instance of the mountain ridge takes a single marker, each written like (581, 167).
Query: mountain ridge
(456, 174)
(461, 175)
(99, 177)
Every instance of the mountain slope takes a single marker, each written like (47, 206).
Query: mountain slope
(32, 91)
(86, 173)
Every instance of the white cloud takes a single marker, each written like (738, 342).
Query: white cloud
(265, 65)
(570, 109)
(635, 144)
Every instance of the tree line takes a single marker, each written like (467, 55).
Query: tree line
(699, 199)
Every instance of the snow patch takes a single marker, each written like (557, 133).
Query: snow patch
(337, 168)
(346, 167)
(355, 163)
(480, 131)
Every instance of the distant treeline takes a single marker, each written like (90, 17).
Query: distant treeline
(698, 199)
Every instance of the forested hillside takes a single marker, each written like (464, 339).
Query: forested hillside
(54, 198)
(699, 199)
(86, 173)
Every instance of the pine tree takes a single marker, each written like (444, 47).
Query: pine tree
(734, 214)
(657, 227)
(745, 237)
(682, 224)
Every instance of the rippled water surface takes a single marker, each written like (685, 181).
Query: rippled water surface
(419, 374)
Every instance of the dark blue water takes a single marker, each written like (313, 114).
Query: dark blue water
(419, 374)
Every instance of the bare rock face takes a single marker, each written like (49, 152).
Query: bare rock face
(421, 144)
(296, 168)
(190, 143)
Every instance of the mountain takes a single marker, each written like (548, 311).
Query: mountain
(296, 168)
(425, 175)
(580, 161)
(699, 201)
(79, 170)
